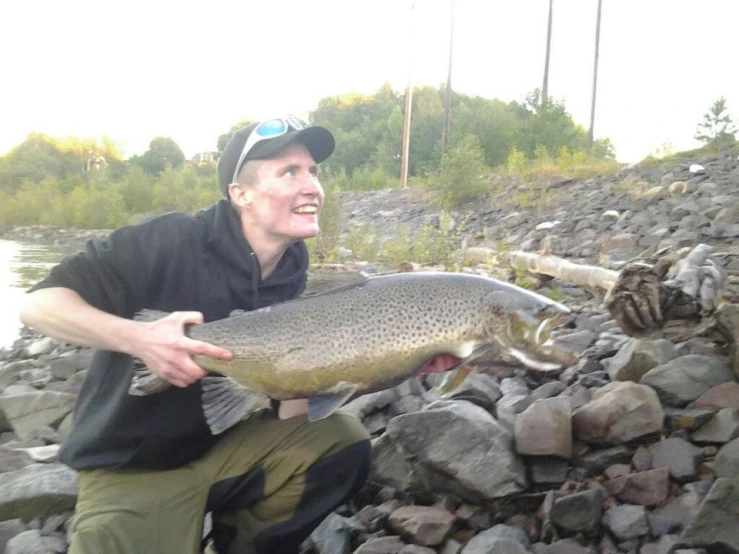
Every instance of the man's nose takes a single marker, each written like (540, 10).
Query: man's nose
(311, 187)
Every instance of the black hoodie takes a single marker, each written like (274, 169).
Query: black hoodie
(175, 262)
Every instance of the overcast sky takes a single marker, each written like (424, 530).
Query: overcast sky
(136, 70)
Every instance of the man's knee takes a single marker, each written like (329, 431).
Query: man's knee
(346, 429)
(110, 531)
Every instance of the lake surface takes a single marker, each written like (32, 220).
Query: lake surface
(22, 265)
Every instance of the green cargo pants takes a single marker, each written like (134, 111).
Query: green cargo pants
(268, 484)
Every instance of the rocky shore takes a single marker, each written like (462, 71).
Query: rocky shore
(635, 449)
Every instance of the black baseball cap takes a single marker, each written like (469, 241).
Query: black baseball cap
(318, 140)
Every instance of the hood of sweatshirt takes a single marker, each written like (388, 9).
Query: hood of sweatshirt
(225, 239)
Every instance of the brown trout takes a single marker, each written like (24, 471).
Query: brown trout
(365, 337)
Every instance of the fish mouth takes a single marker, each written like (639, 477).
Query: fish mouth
(529, 341)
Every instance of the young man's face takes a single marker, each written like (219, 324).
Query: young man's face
(287, 197)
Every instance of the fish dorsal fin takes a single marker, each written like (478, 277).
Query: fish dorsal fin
(320, 407)
(226, 402)
(147, 315)
(330, 283)
(456, 375)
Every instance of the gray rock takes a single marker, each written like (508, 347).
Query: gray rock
(685, 379)
(686, 419)
(547, 471)
(644, 488)
(566, 546)
(370, 403)
(545, 429)
(389, 467)
(8, 530)
(27, 411)
(12, 459)
(480, 389)
(726, 463)
(548, 390)
(639, 356)
(415, 549)
(38, 490)
(36, 377)
(44, 345)
(722, 396)
(580, 511)
(626, 521)
(619, 412)
(381, 545)
(27, 542)
(462, 449)
(332, 536)
(715, 525)
(594, 463)
(516, 396)
(424, 525)
(666, 544)
(676, 514)
(679, 456)
(722, 428)
(481, 544)
(508, 532)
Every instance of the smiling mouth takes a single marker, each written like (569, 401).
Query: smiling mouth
(308, 209)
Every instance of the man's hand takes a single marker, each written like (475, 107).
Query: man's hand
(165, 349)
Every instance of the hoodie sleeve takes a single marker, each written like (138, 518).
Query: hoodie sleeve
(118, 274)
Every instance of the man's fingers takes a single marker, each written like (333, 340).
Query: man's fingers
(205, 349)
(175, 375)
(187, 318)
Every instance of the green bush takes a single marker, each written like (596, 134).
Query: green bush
(460, 178)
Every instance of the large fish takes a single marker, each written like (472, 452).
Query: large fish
(365, 337)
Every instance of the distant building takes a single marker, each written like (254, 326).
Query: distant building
(96, 163)
(205, 158)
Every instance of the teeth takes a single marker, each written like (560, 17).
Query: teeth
(306, 210)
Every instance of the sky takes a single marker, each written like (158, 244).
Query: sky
(136, 70)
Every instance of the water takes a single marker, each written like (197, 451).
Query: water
(21, 266)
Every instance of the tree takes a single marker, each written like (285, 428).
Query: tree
(717, 127)
(163, 152)
(224, 138)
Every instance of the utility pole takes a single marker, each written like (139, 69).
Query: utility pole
(408, 107)
(595, 76)
(545, 86)
(448, 98)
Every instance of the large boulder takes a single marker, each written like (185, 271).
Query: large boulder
(619, 412)
(461, 449)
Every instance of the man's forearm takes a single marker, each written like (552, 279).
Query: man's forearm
(63, 314)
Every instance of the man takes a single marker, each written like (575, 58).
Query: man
(149, 468)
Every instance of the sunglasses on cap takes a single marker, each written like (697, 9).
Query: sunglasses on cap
(266, 130)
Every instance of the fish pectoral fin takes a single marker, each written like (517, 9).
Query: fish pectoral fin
(453, 380)
(145, 382)
(320, 407)
(457, 374)
(226, 402)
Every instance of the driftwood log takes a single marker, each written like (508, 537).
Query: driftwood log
(684, 295)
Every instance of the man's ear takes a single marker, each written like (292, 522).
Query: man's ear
(241, 195)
